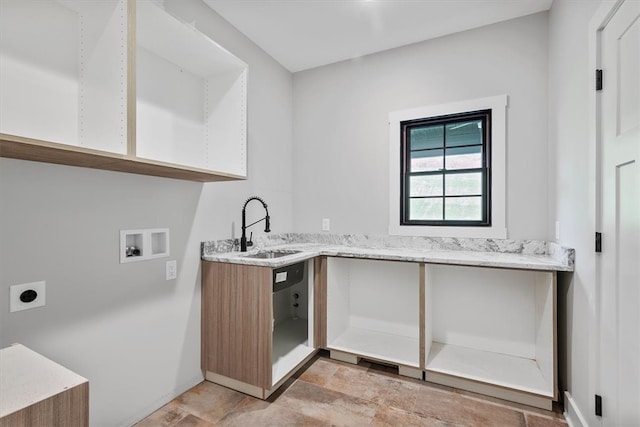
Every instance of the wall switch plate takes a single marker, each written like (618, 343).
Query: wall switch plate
(172, 269)
(326, 224)
(26, 296)
(557, 230)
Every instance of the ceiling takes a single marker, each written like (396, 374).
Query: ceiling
(303, 34)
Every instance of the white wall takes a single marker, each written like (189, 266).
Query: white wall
(133, 334)
(572, 190)
(341, 122)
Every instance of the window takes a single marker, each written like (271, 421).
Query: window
(445, 170)
(454, 175)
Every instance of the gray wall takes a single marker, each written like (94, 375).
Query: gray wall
(133, 334)
(341, 122)
(572, 189)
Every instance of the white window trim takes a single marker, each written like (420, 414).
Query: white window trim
(498, 229)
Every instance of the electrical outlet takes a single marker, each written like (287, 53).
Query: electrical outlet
(326, 224)
(557, 230)
(26, 296)
(172, 269)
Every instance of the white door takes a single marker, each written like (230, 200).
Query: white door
(620, 190)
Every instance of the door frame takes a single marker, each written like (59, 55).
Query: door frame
(598, 22)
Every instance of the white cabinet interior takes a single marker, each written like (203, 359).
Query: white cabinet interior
(190, 95)
(487, 330)
(373, 309)
(292, 339)
(493, 326)
(63, 72)
(120, 85)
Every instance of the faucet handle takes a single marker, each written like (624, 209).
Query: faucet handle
(250, 242)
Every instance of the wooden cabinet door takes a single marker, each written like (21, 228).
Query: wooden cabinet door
(237, 322)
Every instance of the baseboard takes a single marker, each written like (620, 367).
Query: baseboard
(571, 412)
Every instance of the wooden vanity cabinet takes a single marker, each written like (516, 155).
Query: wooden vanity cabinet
(236, 322)
(249, 342)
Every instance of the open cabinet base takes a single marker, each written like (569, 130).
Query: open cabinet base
(405, 371)
(250, 389)
(511, 395)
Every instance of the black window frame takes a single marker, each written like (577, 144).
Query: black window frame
(405, 173)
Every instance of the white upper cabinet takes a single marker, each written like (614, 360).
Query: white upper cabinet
(120, 85)
(190, 95)
(63, 72)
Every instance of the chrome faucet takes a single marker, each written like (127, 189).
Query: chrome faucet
(267, 223)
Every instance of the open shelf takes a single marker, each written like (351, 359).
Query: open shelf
(41, 151)
(492, 326)
(367, 343)
(63, 68)
(373, 309)
(68, 91)
(190, 95)
(485, 366)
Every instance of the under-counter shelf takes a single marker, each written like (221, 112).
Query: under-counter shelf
(495, 327)
(488, 367)
(373, 309)
(377, 345)
(488, 330)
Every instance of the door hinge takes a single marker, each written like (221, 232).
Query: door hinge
(598, 405)
(598, 79)
(598, 241)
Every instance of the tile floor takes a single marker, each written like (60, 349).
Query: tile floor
(331, 393)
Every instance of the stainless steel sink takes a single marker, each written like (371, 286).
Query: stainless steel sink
(272, 254)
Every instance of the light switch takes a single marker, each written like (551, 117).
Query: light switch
(172, 269)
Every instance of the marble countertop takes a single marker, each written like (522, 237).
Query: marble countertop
(27, 377)
(532, 255)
